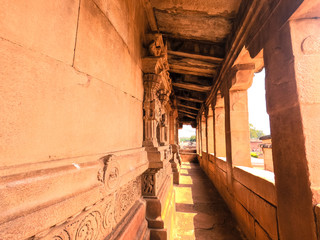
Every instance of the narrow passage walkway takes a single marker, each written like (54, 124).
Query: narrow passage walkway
(201, 213)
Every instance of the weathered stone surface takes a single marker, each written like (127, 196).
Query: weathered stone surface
(129, 20)
(201, 212)
(220, 7)
(260, 233)
(294, 131)
(48, 27)
(31, 191)
(245, 220)
(190, 26)
(57, 112)
(259, 181)
(261, 210)
(101, 52)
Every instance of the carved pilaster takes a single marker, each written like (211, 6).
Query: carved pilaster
(152, 109)
(175, 163)
(157, 180)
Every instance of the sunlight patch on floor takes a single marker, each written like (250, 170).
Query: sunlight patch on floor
(185, 180)
(186, 221)
(184, 171)
(184, 195)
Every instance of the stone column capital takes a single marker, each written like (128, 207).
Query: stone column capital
(241, 77)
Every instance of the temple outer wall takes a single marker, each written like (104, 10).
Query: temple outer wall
(71, 116)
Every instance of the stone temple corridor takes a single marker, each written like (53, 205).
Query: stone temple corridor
(201, 213)
(93, 94)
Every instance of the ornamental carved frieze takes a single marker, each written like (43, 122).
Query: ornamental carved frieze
(109, 173)
(98, 220)
(126, 196)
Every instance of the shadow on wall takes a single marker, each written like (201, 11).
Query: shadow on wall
(201, 212)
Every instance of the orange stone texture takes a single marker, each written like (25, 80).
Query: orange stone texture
(93, 92)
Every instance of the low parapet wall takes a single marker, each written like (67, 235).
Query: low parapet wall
(188, 155)
(250, 195)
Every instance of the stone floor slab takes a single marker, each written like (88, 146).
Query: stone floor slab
(201, 213)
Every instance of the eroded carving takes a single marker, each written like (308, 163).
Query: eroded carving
(89, 227)
(126, 196)
(98, 219)
(311, 45)
(155, 44)
(110, 172)
(109, 216)
(64, 235)
(149, 182)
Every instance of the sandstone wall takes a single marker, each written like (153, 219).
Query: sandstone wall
(251, 197)
(71, 93)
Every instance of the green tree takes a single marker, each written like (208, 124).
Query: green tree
(193, 138)
(189, 139)
(255, 133)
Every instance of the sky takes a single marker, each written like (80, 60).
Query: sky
(258, 116)
(187, 131)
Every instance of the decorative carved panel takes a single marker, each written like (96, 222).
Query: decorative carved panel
(98, 220)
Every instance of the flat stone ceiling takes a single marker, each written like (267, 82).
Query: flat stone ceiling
(196, 32)
(206, 20)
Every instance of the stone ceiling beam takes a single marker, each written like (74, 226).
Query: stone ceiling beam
(192, 87)
(189, 99)
(196, 56)
(189, 116)
(187, 112)
(187, 106)
(191, 71)
(248, 15)
(191, 63)
(150, 15)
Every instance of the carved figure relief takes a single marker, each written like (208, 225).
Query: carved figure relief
(155, 48)
(148, 183)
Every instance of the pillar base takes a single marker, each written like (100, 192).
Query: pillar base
(160, 208)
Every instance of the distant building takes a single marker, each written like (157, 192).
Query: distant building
(267, 152)
(255, 145)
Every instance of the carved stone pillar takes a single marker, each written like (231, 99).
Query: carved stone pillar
(151, 108)
(292, 59)
(175, 161)
(210, 130)
(220, 142)
(157, 181)
(237, 120)
(203, 133)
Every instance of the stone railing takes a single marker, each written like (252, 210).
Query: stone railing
(250, 195)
